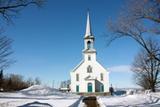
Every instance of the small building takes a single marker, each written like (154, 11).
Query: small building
(65, 86)
(89, 75)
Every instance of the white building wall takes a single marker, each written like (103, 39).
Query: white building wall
(92, 55)
(97, 69)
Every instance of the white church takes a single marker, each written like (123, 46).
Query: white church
(89, 76)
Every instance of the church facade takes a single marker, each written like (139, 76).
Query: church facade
(89, 75)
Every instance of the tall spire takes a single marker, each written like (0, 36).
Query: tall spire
(88, 26)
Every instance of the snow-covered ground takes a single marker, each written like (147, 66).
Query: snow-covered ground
(135, 100)
(42, 96)
(37, 96)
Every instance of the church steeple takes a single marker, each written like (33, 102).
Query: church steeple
(88, 26)
(89, 50)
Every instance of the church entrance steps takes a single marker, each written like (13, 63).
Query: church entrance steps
(94, 94)
(90, 101)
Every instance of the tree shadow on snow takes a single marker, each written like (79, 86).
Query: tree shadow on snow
(36, 104)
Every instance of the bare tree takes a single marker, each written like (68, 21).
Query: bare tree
(144, 9)
(137, 21)
(14, 82)
(147, 69)
(30, 81)
(5, 52)
(129, 24)
(10, 8)
(65, 84)
(37, 81)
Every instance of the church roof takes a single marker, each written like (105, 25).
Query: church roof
(78, 65)
(90, 78)
(89, 51)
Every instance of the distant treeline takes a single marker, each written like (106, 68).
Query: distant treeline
(16, 82)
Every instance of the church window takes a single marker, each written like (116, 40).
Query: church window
(89, 57)
(77, 88)
(89, 69)
(89, 44)
(77, 77)
(101, 75)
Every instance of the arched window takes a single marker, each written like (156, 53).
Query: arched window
(101, 76)
(89, 45)
(89, 69)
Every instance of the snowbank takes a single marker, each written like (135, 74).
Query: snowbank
(143, 100)
(39, 90)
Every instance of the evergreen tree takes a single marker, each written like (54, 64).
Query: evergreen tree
(1, 78)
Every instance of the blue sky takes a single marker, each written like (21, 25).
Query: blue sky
(48, 42)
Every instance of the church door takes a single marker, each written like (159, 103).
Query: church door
(89, 87)
(102, 88)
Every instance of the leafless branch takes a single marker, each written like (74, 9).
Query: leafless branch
(10, 8)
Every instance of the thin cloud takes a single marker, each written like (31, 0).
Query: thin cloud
(120, 68)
